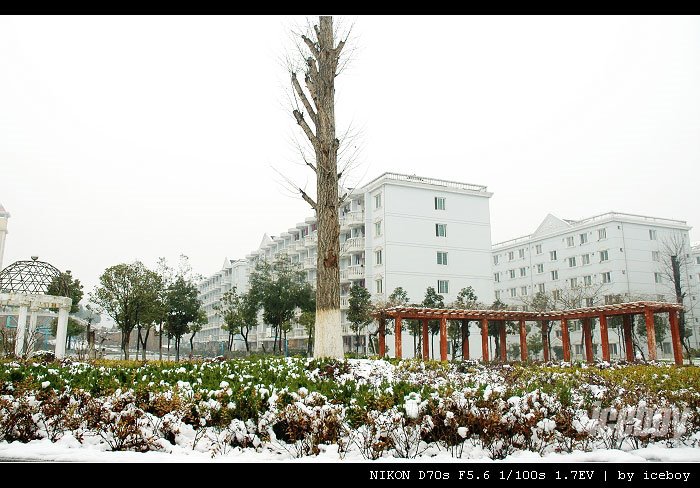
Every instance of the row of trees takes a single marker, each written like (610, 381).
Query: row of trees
(279, 290)
(165, 300)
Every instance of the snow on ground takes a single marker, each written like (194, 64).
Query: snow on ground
(68, 449)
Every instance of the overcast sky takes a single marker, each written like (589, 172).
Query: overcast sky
(125, 138)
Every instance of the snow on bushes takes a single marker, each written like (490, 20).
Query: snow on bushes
(378, 408)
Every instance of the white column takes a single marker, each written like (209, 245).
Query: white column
(19, 335)
(61, 332)
(31, 337)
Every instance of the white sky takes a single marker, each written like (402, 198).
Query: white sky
(126, 138)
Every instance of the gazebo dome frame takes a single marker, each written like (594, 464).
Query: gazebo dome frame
(30, 277)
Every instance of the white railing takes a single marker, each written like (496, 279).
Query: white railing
(356, 217)
(310, 240)
(344, 302)
(352, 273)
(310, 263)
(353, 244)
(429, 181)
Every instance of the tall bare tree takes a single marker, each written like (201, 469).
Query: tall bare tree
(674, 265)
(316, 117)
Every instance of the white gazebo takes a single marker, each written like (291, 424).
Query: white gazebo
(34, 304)
(24, 286)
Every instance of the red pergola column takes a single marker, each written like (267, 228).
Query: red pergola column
(484, 340)
(545, 340)
(651, 336)
(382, 337)
(604, 337)
(523, 340)
(443, 339)
(465, 340)
(627, 329)
(426, 345)
(675, 337)
(502, 339)
(565, 341)
(587, 339)
(397, 338)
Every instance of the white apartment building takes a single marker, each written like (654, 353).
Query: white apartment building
(602, 259)
(232, 274)
(396, 231)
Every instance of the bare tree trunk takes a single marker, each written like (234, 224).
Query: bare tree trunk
(125, 344)
(320, 76)
(160, 344)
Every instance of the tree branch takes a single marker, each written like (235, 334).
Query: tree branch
(311, 46)
(307, 198)
(342, 199)
(305, 101)
(307, 130)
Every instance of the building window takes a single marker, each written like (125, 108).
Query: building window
(573, 282)
(523, 272)
(587, 280)
(652, 234)
(657, 278)
(511, 272)
(513, 292)
(589, 302)
(556, 295)
(378, 200)
(378, 257)
(497, 277)
(523, 291)
(497, 294)
(572, 262)
(666, 347)
(570, 241)
(511, 255)
(602, 234)
(555, 275)
(378, 229)
(538, 249)
(603, 255)
(443, 286)
(552, 255)
(655, 256)
(495, 260)
(379, 285)
(439, 203)
(578, 349)
(583, 238)
(441, 230)
(540, 268)
(606, 277)
(612, 348)
(585, 259)
(697, 260)
(540, 288)
(442, 258)
(521, 253)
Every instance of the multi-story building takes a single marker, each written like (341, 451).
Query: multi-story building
(602, 259)
(4, 215)
(396, 231)
(232, 274)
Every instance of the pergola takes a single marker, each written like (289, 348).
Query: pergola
(626, 310)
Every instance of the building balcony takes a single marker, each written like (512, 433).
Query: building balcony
(311, 240)
(354, 244)
(310, 263)
(351, 219)
(344, 301)
(352, 273)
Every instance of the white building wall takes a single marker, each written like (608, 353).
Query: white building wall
(633, 245)
(4, 215)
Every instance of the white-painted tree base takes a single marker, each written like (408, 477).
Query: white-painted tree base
(328, 335)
